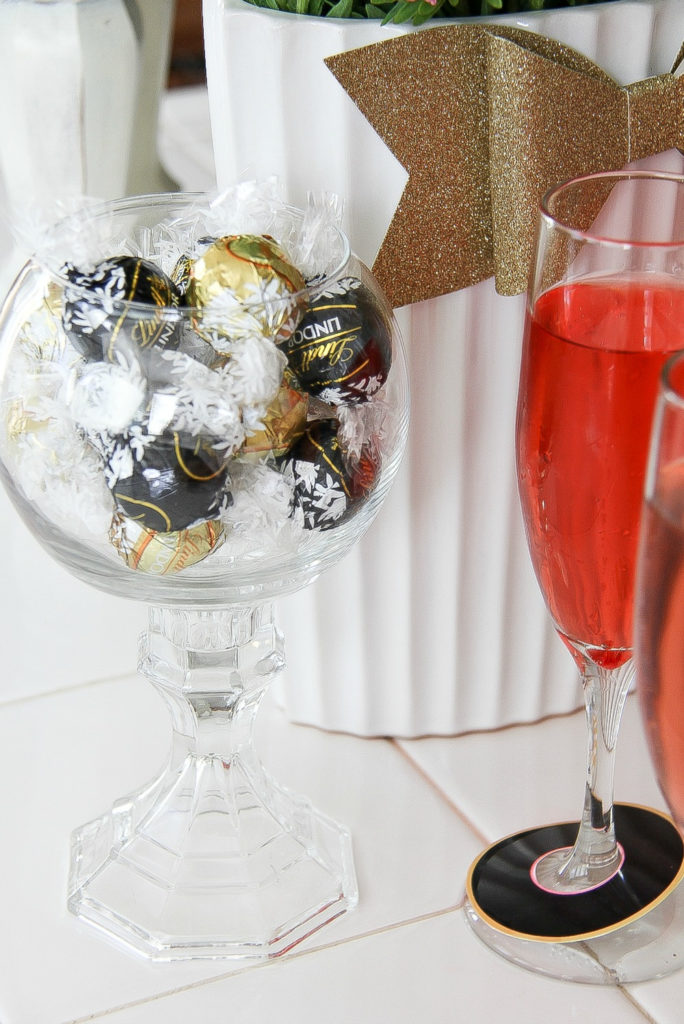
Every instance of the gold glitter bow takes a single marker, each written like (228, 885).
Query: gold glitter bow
(485, 119)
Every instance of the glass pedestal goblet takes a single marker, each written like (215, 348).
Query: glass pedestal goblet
(181, 424)
(598, 900)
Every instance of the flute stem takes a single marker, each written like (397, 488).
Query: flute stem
(596, 855)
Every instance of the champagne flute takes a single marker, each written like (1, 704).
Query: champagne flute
(659, 610)
(605, 308)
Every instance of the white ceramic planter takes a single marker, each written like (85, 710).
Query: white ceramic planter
(435, 623)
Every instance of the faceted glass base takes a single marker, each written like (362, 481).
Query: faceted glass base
(212, 859)
(204, 864)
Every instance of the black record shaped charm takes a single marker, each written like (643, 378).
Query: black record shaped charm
(341, 349)
(101, 313)
(175, 483)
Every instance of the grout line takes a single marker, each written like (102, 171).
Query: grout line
(261, 965)
(437, 737)
(402, 745)
(481, 837)
(636, 1004)
(485, 840)
(62, 690)
(495, 730)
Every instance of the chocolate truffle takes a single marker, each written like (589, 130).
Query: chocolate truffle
(326, 484)
(162, 554)
(100, 314)
(173, 483)
(341, 349)
(243, 284)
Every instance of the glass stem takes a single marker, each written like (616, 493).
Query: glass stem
(212, 668)
(596, 856)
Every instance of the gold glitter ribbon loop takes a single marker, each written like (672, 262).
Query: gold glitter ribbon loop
(522, 113)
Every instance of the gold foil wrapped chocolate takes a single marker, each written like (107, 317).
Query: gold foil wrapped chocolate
(163, 554)
(284, 424)
(20, 421)
(42, 336)
(242, 284)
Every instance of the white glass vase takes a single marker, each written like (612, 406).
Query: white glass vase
(82, 81)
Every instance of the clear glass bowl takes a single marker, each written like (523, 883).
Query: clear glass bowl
(56, 469)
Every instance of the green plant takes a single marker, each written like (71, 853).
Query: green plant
(415, 11)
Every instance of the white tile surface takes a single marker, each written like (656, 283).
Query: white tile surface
(54, 630)
(81, 749)
(431, 971)
(524, 776)
(406, 950)
(662, 1000)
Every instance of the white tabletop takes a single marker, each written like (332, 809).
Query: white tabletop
(419, 812)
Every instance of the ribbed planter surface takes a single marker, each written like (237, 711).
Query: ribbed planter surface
(434, 623)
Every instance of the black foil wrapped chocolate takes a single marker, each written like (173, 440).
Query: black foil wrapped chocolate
(326, 483)
(180, 275)
(175, 483)
(341, 349)
(98, 316)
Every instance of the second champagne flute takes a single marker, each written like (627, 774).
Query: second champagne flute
(590, 901)
(659, 615)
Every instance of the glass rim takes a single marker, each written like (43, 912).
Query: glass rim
(588, 236)
(104, 208)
